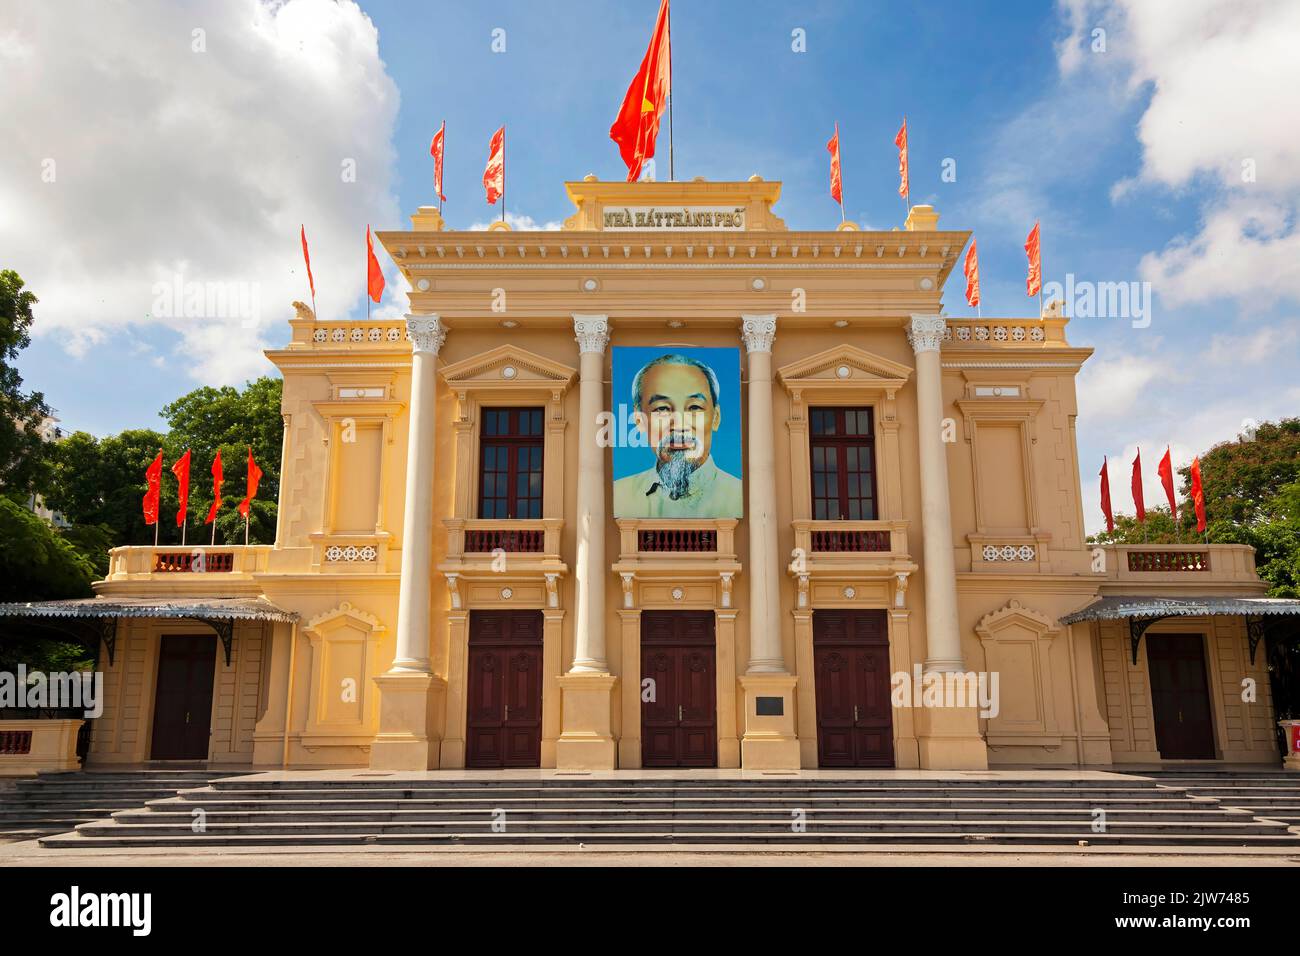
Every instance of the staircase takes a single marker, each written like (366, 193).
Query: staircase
(387, 809)
(1268, 794)
(56, 802)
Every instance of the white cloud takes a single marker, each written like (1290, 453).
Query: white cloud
(521, 223)
(194, 156)
(1110, 388)
(1223, 80)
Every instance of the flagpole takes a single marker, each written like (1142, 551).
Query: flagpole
(246, 520)
(907, 199)
(214, 532)
(503, 172)
(669, 24)
(444, 156)
(367, 285)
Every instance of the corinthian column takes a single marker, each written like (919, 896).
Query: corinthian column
(427, 336)
(586, 739)
(943, 639)
(410, 695)
(765, 656)
(769, 741)
(592, 333)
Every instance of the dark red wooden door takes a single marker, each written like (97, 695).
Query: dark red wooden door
(679, 723)
(182, 710)
(854, 711)
(504, 720)
(1180, 696)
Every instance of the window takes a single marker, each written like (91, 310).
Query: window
(842, 447)
(510, 463)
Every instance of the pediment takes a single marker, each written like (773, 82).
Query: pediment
(844, 365)
(493, 369)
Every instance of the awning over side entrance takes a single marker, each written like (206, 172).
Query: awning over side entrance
(95, 619)
(1142, 612)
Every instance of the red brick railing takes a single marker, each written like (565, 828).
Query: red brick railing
(1169, 561)
(182, 561)
(516, 540)
(677, 540)
(15, 741)
(850, 541)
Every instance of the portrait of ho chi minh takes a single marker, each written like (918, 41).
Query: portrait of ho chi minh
(676, 406)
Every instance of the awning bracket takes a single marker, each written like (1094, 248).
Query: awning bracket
(1137, 626)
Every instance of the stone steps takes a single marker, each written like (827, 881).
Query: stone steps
(356, 809)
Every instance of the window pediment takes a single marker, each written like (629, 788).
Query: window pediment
(508, 367)
(844, 366)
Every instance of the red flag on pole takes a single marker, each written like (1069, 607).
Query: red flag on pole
(901, 142)
(837, 182)
(153, 478)
(972, 271)
(494, 175)
(374, 274)
(1034, 282)
(1137, 487)
(1166, 472)
(182, 472)
(306, 257)
(1105, 496)
(637, 124)
(1198, 495)
(254, 476)
(216, 489)
(435, 150)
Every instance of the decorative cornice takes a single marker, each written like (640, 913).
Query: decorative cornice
(758, 332)
(591, 332)
(427, 333)
(925, 333)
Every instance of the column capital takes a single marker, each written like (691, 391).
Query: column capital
(925, 333)
(591, 332)
(427, 333)
(758, 331)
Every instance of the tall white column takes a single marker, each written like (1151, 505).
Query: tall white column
(943, 637)
(427, 336)
(592, 334)
(765, 657)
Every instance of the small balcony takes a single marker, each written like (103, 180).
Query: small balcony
(190, 561)
(503, 549)
(1194, 564)
(840, 541)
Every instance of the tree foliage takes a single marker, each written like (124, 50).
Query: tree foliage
(23, 463)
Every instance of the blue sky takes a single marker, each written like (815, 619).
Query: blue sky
(1132, 167)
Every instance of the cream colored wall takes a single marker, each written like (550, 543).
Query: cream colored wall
(124, 734)
(1243, 730)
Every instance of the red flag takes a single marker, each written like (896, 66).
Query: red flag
(972, 271)
(254, 476)
(1198, 495)
(374, 274)
(153, 477)
(216, 489)
(837, 183)
(307, 259)
(182, 472)
(1032, 249)
(1105, 496)
(901, 142)
(1166, 472)
(494, 175)
(435, 150)
(637, 124)
(1137, 487)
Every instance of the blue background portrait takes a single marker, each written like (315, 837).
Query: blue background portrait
(725, 362)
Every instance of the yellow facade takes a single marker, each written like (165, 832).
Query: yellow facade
(382, 554)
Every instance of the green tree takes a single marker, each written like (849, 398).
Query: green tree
(23, 462)
(36, 564)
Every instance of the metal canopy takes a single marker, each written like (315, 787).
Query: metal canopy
(97, 618)
(1142, 612)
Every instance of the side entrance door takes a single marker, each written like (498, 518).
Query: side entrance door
(504, 723)
(851, 663)
(1180, 696)
(679, 723)
(182, 709)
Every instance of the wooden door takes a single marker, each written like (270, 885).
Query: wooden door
(1180, 696)
(679, 723)
(504, 722)
(852, 684)
(182, 710)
